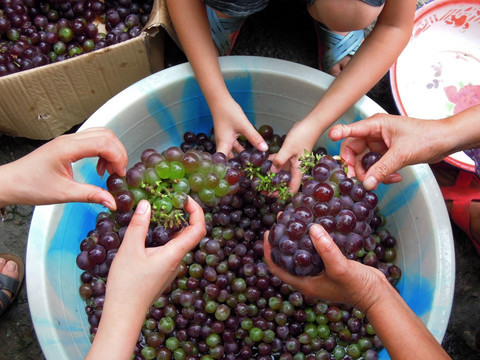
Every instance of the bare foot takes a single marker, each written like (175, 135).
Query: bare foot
(10, 269)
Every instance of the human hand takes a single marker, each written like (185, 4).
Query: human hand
(147, 272)
(137, 276)
(344, 281)
(298, 140)
(45, 176)
(229, 123)
(402, 141)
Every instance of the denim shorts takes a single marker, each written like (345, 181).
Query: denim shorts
(369, 2)
(237, 8)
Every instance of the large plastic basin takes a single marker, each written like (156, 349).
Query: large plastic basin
(154, 113)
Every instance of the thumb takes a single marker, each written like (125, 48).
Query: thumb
(331, 255)
(381, 170)
(138, 227)
(224, 146)
(280, 159)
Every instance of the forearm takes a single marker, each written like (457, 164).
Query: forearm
(392, 319)
(463, 131)
(191, 24)
(118, 331)
(11, 185)
(373, 59)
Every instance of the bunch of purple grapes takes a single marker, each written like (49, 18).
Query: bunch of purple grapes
(346, 211)
(34, 33)
(225, 303)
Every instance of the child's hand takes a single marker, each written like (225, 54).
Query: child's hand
(229, 123)
(345, 281)
(45, 176)
(299, 139)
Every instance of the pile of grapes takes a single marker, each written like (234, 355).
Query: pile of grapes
(225, 303)
(34, 33)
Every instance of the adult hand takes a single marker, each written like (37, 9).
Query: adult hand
(344, 281)
(137, 276)
(402, 141)
(229, 123)
(45, 176)
(147, 272)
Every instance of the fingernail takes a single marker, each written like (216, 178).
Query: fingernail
(142, 207)
(335, 133)
(11, 266)
(370, 183)
(263, 146)
(107, 204)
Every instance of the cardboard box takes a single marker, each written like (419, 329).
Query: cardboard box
(47, 101)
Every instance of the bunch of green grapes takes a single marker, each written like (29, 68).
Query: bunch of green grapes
(167, 179)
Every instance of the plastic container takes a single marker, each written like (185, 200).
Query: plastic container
(440, 65)
(154, 113)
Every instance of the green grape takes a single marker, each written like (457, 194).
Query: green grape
(338, 353)
(172, 343)
(179, 199)
(151, 176)
(177, 170)
(323, 331)
(190, 161)
(149, 352)
(220, 170)
(205, 166)
(213, 340)
(211, 180)
(163, 169)
(179, 354)
(181, 185)
(163, 204)
(222, 188)
(196, 181)
(138, 194)
(206, 195)
(166, 325)
(256, 334)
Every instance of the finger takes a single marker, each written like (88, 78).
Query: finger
(274, 268)
(363, 128)
(280, 159)
(296, 180)
(104, 145)
(224, 146)
(138, 227)
(254, 137)
(237, 147)
(333, 259)
(189, 237)
(381, 170)
(88, 193)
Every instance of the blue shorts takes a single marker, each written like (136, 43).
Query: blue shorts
(369, 2)
(237, 8)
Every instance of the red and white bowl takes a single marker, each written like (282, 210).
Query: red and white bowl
(438, 73)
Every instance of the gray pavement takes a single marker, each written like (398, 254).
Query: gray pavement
(283, 30)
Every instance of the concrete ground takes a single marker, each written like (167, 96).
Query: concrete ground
(283, 30)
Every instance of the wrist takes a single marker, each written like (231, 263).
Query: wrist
(376, 290)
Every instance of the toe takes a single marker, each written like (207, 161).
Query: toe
(10, 269)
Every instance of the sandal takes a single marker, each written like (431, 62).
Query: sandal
(339, 46)
(462, 195)
(220, 28)
(10, 284)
